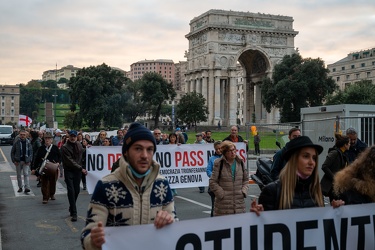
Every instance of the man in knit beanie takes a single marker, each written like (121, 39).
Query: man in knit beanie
(135, 193)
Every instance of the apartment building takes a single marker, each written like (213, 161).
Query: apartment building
(56, 74)
(164, 67)
(179, 79)
(10, 103)
(356, 66)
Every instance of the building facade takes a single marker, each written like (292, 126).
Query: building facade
(10, 103)
(179, 79)
(164, 67)
(219, 40)
(356, 66)
(56, 74)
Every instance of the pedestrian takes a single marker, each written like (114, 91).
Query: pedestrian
(158, 138)
(36, 142)
(210, 166)
(85, 144)
(279, 162)
(172, 139)
(335, 161)
(219, 125)
(142, 195)
(57, 137)
(209, 138)
(107, 142)
(182, 137)
(199, 140)
(22, 155)
(72, 152)
(256, 143)
(117, 140)
(234, 136)
(229, 182)
(356, 145)
(355, 184)
(100, 139)
(51, 153)
(298, 185)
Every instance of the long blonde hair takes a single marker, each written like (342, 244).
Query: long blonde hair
(288, 178)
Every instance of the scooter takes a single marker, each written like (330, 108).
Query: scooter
(262, 176)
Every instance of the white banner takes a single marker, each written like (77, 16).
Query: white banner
(184, 165)
(347, 227)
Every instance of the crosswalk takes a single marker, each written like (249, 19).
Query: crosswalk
(60, 189)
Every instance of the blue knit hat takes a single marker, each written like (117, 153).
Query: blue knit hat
(137, 132)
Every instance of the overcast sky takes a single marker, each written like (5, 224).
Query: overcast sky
(37, 34)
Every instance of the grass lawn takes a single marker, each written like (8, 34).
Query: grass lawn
(268, 139)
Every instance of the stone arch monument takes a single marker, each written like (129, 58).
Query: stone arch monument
(229, 54)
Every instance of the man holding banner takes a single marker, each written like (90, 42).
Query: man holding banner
(133, 194)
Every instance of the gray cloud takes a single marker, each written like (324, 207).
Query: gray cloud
(37, 34)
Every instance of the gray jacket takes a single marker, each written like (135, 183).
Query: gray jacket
(17, 151)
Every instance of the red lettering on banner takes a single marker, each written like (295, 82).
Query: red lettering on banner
(185, 160)
(200, 158)
(189, 159)
(242, 154)
(111, 159)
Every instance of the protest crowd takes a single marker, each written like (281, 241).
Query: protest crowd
(296, 179)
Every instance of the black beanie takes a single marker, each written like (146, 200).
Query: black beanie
(137, 132)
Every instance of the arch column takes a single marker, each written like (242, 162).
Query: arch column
(217, 106)
(204, 88)
(211, 100)
(232, 101)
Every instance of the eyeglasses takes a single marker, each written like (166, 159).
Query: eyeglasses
(157, 133)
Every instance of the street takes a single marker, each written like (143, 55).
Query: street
(26, 223)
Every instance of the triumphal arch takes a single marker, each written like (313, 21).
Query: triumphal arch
(229, 54)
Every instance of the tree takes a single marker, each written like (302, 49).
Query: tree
(362, 92)
(296, 83)
(133, 105)
(94, 90)
(51, 84)
(155, 90)
(34, 84)
(192, 109)
(29, 100)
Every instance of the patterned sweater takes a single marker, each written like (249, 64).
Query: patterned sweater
(118, 200)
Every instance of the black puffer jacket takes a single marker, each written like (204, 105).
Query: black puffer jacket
(270, 196)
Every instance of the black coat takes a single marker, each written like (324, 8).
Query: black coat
(53, 156)
(335, 161)
(270, 196)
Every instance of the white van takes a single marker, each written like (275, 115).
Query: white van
(6, 132)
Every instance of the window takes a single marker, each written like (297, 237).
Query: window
(357, 76)
(347, 77)
(2, 111)
(343, 68)
(334, 70)
(368, 74)
(337, 79)
(353, 66)
(363, 64)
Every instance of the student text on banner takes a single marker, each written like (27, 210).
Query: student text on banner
(347, 227)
